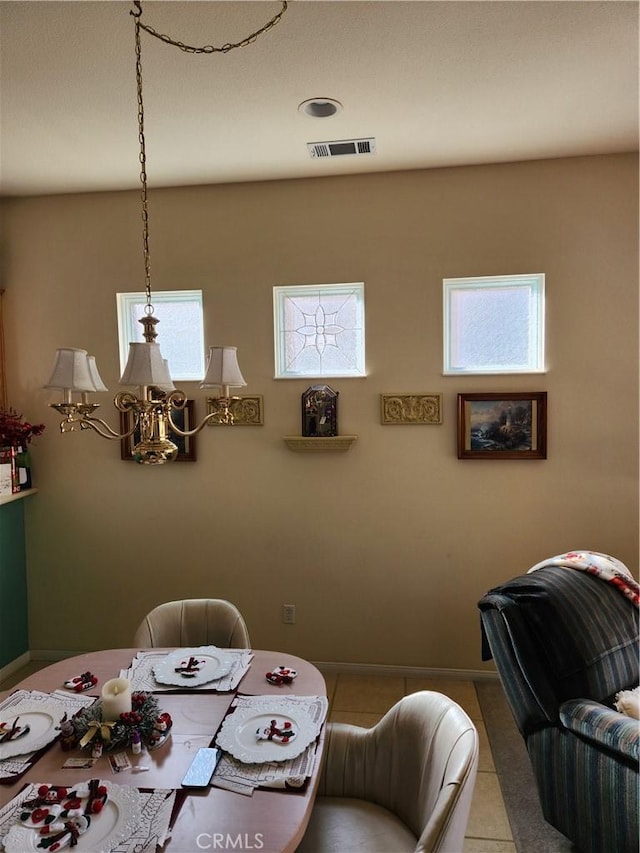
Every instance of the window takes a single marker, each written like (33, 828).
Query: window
(180, 329)
(319, 330)
(494, 324)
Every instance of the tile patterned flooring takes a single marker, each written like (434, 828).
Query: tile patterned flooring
(363, 699)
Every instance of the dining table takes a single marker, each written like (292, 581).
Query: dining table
(211, 818)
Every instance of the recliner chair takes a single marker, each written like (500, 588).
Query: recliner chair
(193, 622)
(564, 643)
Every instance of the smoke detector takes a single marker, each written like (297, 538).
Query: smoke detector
(341, 147)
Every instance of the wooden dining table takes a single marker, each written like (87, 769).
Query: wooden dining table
(271, 821)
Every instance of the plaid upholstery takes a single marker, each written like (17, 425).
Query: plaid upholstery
(564, 642)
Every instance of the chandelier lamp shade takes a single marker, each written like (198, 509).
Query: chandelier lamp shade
(156, 399)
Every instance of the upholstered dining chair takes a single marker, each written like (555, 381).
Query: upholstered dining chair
(193, 622)
(404, 785)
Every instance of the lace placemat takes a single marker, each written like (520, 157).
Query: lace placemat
(69, 703)
(140, 673)
(293, 774)
(151, 832)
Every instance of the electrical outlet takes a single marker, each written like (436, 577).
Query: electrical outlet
(289, 614)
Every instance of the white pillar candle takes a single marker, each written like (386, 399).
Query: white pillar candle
(116, 699)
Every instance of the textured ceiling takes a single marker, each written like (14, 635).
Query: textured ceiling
(436, 83)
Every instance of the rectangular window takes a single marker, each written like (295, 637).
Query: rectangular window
(494, 324)
(319, 330)
(180, 329)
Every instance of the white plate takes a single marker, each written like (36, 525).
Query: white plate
(42, 719)
(238, 734)
(116, 822)
(215, 664)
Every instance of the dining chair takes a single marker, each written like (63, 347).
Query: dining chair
(404, 785)
(193, 622)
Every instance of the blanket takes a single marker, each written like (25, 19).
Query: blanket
(601, 566)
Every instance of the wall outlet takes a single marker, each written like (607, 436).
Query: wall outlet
(289, 614)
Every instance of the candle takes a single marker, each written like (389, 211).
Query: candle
(116, 699)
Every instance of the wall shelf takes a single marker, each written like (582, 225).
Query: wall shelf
(16, 496)
(319, 444)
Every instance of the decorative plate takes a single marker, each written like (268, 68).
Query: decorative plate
(257, 734)
(116, 822)
(193, 667)
(42, 719)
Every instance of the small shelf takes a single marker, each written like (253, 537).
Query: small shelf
(319, 444)
(16, 496)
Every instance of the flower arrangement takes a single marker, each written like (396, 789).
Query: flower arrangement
(143, 724)
(16, 431)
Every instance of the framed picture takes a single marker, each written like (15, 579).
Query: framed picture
(184, 418)
(502, 426)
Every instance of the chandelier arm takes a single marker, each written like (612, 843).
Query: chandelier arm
(103, 429)
(189, 432)
(208, 48)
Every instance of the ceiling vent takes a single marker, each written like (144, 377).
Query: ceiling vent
(341, 147)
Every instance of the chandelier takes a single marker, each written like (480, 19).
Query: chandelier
(151, 409)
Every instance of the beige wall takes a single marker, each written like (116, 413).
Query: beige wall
(386, 549)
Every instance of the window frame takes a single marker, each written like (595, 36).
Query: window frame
(535, 282)
(281, 293)
(129, 331)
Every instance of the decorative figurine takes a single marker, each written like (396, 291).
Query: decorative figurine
(320, 411)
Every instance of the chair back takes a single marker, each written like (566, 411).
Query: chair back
(558, 634)
(419, 762)
(193, 622)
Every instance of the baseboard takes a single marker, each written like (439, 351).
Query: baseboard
(334, 667)
(14, 665)
(405, 671)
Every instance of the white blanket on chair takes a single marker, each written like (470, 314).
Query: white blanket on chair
(602, 566)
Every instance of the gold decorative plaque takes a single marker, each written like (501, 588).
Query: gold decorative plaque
(411, 408)
(246, 411)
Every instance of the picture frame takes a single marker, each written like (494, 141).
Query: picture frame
(184, 418)
(320, 412)
(502, 425)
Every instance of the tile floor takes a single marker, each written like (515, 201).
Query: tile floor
(363, 699)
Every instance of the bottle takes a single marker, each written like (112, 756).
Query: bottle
(136, 744)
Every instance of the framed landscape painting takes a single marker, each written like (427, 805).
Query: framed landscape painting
(502, 426)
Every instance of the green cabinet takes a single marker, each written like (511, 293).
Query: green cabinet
(14, 603)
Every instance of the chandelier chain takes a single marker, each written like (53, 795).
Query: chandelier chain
(143, 172)
(209, 48)
(225, 48)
